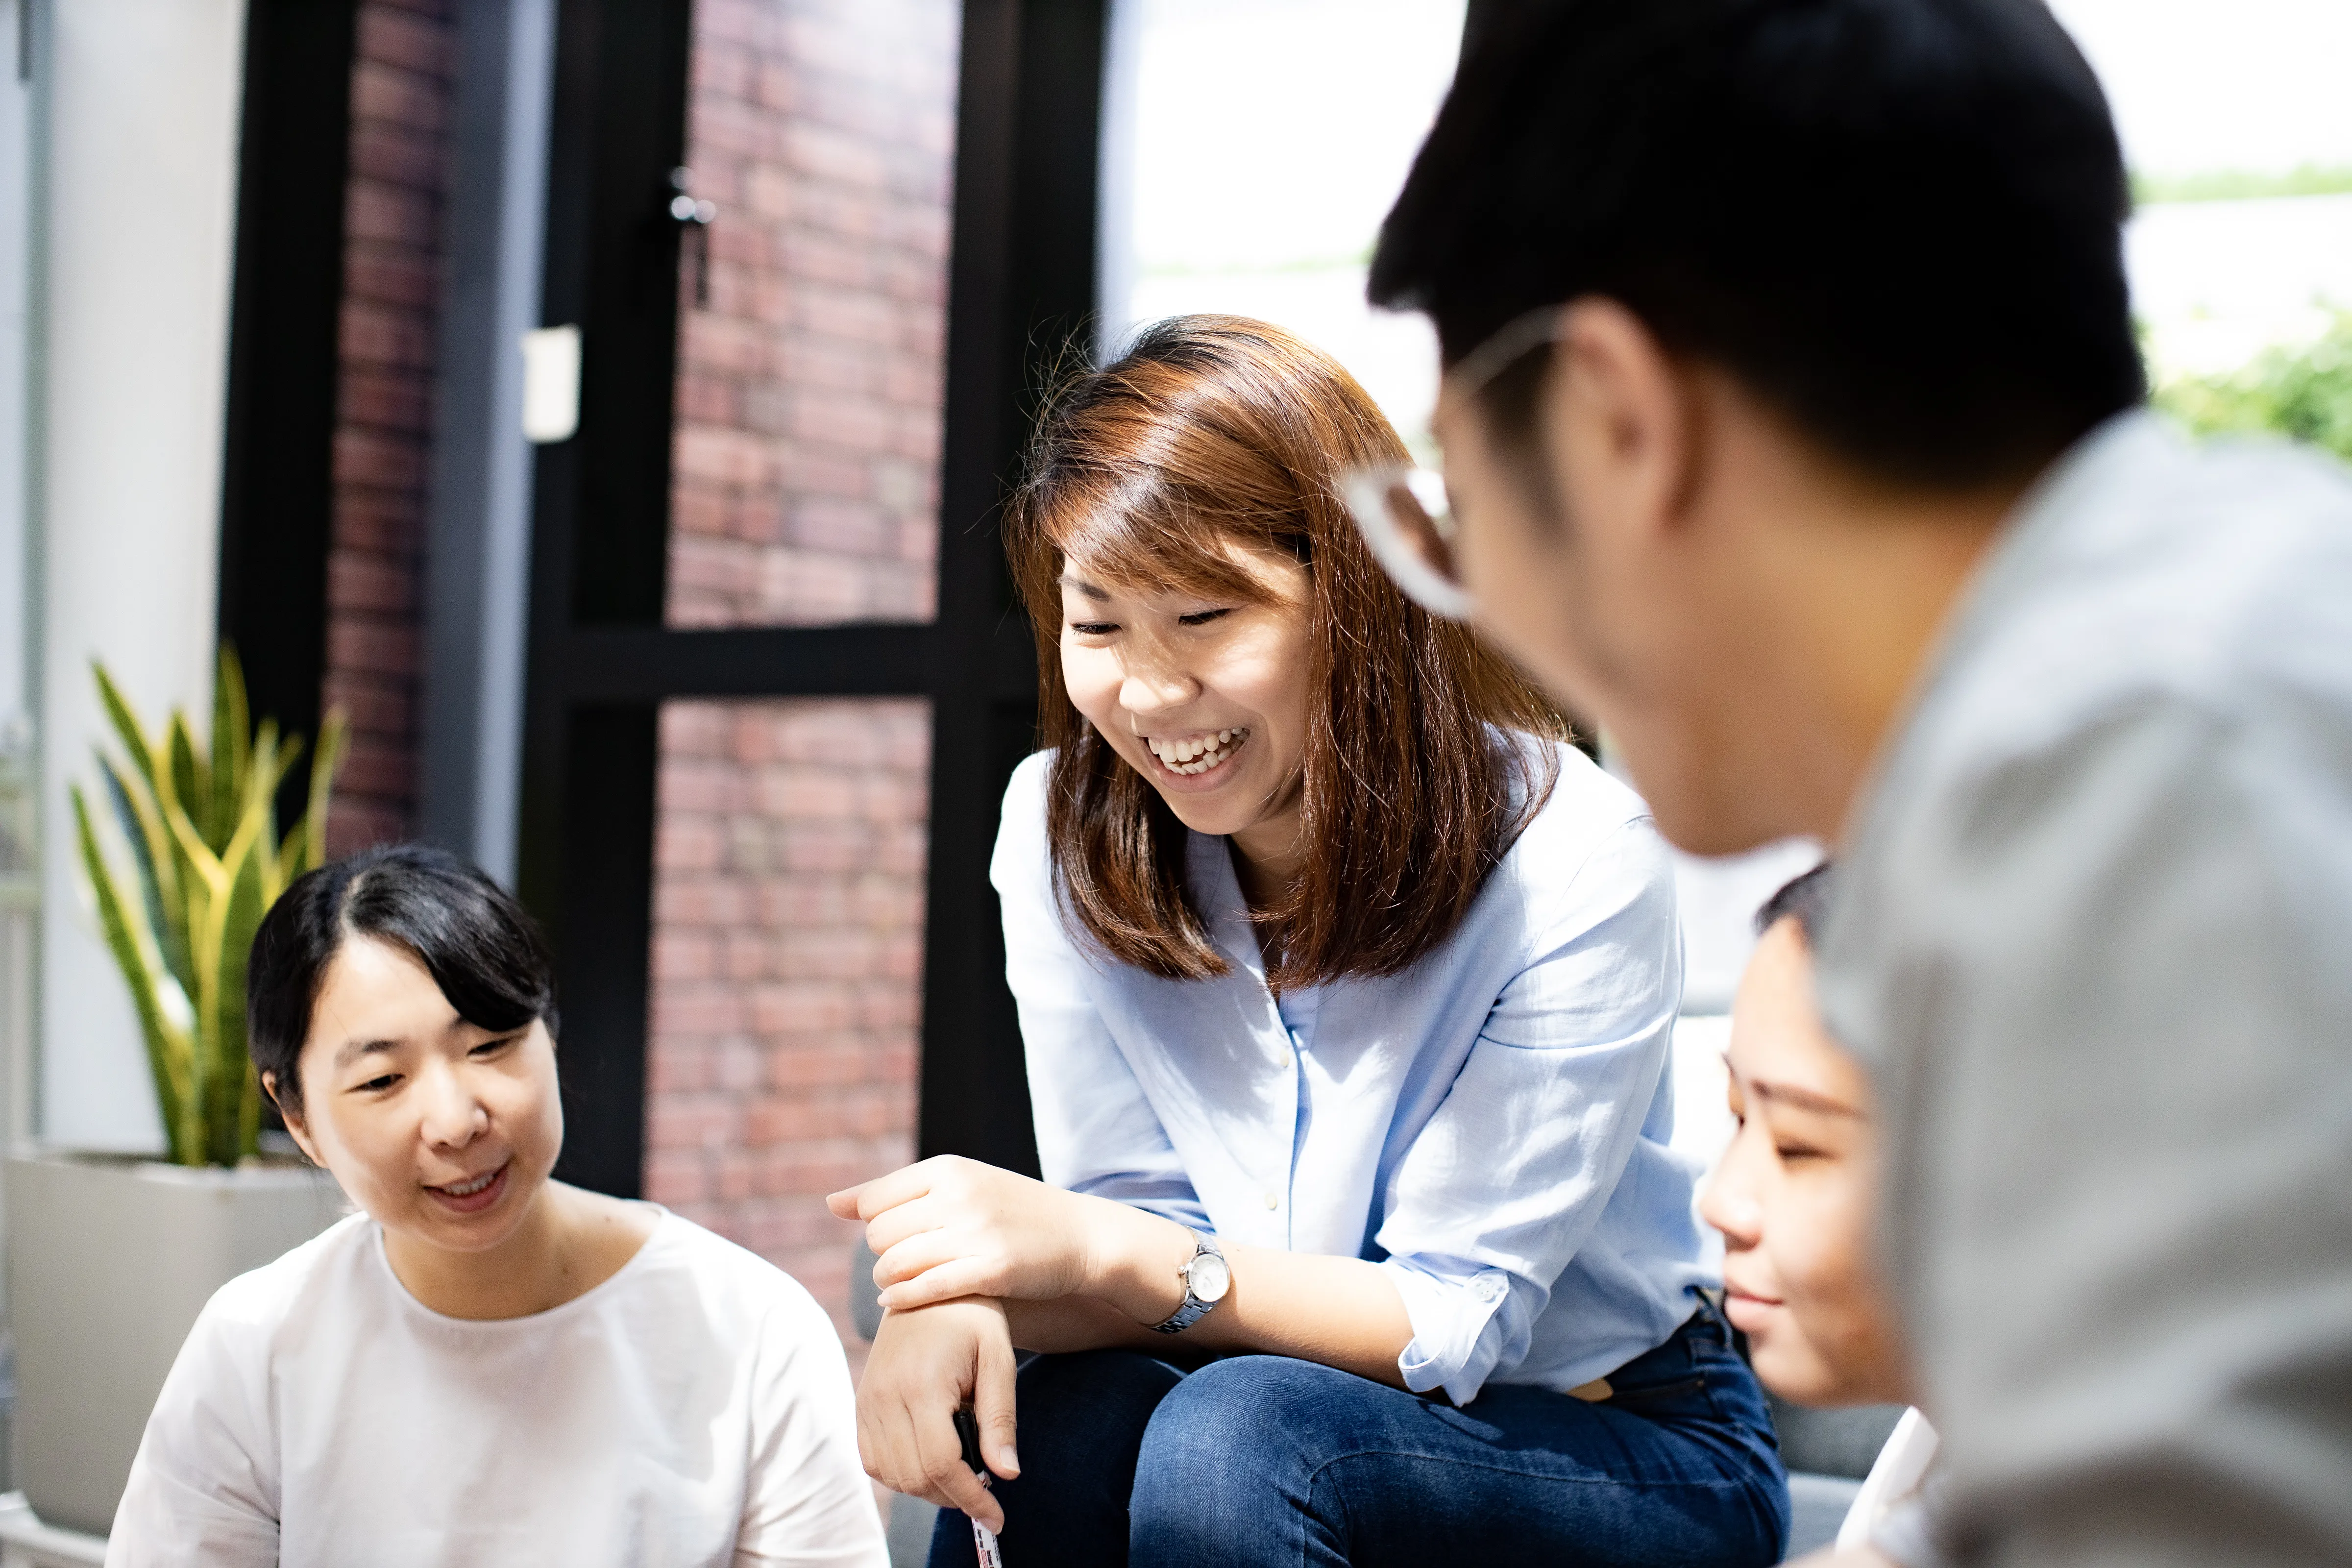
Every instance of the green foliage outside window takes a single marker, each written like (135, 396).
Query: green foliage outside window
(2304, 394)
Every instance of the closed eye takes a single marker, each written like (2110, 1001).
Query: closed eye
(1093, 628)
(377, 1085)
(492, 1048)
(1202, 617)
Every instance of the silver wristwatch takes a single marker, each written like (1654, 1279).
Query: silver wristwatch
(1207, 1277)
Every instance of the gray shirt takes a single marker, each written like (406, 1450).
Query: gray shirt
(2095, 940)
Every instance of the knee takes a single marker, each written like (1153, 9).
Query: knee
(1239, 1435)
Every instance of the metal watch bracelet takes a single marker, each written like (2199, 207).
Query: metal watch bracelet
(1207, 1277)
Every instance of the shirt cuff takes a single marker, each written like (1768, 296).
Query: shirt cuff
(1460, 1326)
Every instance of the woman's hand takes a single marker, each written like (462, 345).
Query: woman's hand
(925, 1365)
(947, 1227)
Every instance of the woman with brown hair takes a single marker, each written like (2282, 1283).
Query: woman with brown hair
(1347, 990)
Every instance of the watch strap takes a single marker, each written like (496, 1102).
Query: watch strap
(1192, 1309)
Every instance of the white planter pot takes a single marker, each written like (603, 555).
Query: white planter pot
(109, 1261)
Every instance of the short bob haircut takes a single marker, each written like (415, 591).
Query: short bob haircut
(485, 953)
(1420, 767)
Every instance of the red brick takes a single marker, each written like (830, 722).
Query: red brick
(378, 459)
(388, 399)
(373, 645)
(408, 98)
(405, 38)
(378, 210)
(396, 154)
(359, 582)
(378, 334)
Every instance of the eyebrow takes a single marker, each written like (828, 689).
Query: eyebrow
(1099, 596)
(1804, 1099)
(353, 1050)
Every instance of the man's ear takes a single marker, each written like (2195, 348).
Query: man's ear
(295, 1126)
(1620, 421)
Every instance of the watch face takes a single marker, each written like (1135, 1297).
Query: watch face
(1209, 1277)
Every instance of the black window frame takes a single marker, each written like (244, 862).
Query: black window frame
(601, 662)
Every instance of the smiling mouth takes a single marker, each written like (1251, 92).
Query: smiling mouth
(1197, 755)
(475, 1191)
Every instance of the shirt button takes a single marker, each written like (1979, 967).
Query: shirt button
(1273, 1200)
(1488, 1288)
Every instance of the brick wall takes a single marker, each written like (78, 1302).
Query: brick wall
(401, 87)
(789, 873)
(787, 968)
(809, 389)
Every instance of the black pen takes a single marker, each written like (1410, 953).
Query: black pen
(967, 1426)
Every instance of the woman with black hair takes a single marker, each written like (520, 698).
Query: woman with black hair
(484, 1365)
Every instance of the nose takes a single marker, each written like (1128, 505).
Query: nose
(1731, 1202)
(1149, 688)
(453, 1116)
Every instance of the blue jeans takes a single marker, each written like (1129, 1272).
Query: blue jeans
(1265, 1459)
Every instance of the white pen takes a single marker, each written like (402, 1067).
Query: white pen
(967, 1426)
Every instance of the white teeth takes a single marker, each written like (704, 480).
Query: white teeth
(1199, 755)
(467, 1189)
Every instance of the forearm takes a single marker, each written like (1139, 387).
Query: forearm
(1078, 1323)
(1340, 1311)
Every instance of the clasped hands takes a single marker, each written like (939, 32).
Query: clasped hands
(955, 1239)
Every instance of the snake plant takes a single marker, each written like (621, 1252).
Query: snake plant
(206, 863)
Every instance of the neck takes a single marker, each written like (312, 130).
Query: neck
(537, 1267)
(1268, 856)
(1854, 600)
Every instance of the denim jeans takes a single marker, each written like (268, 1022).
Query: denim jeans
(1265, 1460)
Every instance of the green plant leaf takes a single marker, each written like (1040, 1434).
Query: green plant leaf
(276, 856)
(231, 754)
(170, 1056)
(143, 789)
(334, 743)
(128, 730)
(247, 862)
(191, 780)
(132, 819)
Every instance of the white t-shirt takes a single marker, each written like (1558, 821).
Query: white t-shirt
(1895, 1510)
(694, 1409)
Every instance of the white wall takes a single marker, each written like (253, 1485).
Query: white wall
(143, 100)
(16, 840)
(16, 257)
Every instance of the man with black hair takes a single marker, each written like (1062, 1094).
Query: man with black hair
(1792, 428)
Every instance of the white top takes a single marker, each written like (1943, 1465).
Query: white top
(2094, 935)
(1892, 1511)
(693, 1409)
(1493, 1126)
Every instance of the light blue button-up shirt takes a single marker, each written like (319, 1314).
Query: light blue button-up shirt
(1490, 1126)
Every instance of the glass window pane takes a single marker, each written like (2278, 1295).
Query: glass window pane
(806, 474)
(1251, 148)
(787, 968)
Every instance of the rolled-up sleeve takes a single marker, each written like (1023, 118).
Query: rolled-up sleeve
(1097, 1133)
(1495, 1196)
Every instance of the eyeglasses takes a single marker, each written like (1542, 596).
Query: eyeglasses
(1404, 512)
